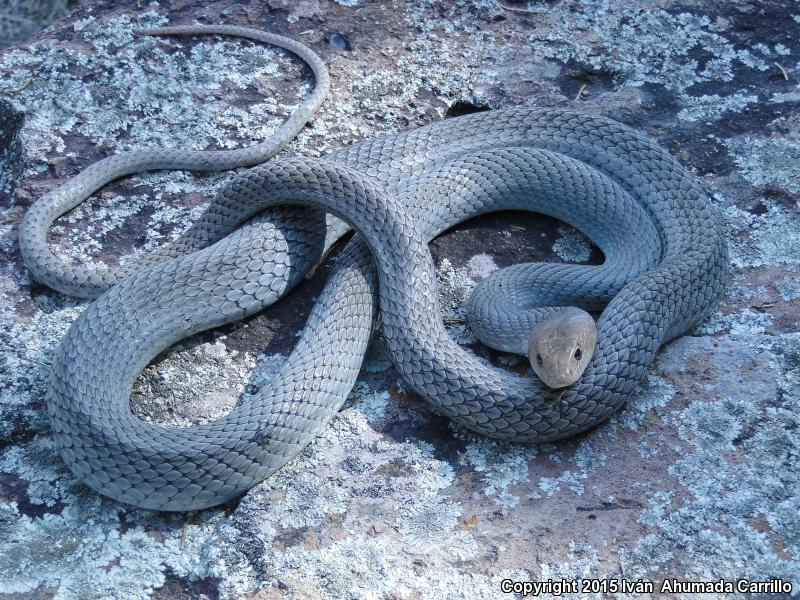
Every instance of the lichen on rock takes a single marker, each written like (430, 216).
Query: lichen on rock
(696, 477)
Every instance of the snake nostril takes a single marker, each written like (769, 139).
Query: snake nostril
(539, 360)
(578, 354)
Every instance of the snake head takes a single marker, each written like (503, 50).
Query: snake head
(561, 346)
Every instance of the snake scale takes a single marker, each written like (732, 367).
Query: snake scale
(665, 267)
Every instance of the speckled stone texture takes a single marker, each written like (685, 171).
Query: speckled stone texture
(697, 478)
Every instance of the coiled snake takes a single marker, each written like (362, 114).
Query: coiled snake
(665, 267)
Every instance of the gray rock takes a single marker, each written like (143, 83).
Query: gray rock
(697, 478)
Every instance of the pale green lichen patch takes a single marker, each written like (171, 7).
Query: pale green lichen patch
(653, 396)
(711, 107)
(87, 229)
(79, 555)
(198, 384)
(766, 239)
(481, 265)
(28, 343)
(501, 467)
(572, 245)
(746, 322)
(454, 287)
(582, 565)
(640, 45)
(715, 522)
(789, 288)
(764, 161)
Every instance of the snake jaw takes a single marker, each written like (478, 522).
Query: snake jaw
(561, 346)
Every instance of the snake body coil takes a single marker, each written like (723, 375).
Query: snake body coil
(665, 268)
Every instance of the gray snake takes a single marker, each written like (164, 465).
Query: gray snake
(665, 267)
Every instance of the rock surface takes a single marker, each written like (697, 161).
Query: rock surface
(698, 477)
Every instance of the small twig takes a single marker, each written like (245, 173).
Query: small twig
(785, 74)
(531, 11)
(183, 536)
(454, 321)
(580, 92)
(20, 87)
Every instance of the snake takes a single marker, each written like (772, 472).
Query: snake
(665, 267)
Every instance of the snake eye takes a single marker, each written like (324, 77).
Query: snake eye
(578, 354)
(539, 360)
